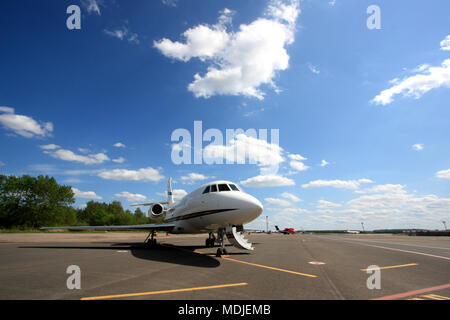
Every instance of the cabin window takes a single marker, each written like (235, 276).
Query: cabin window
(213, 188)
(206, 190)
(233, 187)
(224, 187)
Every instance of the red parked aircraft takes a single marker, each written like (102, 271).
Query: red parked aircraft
(286, 230)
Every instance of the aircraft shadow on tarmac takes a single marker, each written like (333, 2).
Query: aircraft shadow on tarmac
(182, 255)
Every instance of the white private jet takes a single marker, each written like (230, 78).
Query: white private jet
(218, 207)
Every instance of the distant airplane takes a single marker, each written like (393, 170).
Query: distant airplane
(353, 231)
(218, 207)
(286, 230)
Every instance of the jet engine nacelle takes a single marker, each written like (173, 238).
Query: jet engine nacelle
(156, 211)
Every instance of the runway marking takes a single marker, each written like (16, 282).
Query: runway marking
(413, 293)
(436, 297)
(125, 295)
(393, 267)
(272, 268)
(394, 249)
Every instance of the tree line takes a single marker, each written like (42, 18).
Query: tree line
(32, 202)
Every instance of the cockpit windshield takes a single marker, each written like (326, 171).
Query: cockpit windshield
(221, 188)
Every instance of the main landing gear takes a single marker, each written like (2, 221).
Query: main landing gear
(211, 241)
(152, 241)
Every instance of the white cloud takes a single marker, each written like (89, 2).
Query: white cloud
(68, 155)
(239, 62)
(170, 3)
(145, 174)
(445, 44)
(50, 147)
(340, 184)
(119, 160)
(1, 164)
(313, 68)
(92, 6)
(193, 178)
(418, 147)
(268, 181)
(384, 188)
(278, 202)
(299, 166)
(244, 147)
(291, 197)
(324, 163)
(85, 194)
(418, 84)
(443, 174)
(323, 204)
(123, 34)
(119, 145)
(23, 125)
(131, 197)
(83, 150)
(6, 109)
(297, 157)
(178, 194)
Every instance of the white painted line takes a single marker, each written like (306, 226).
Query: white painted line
(393, 249)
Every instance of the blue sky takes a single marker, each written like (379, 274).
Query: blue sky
(362, 113)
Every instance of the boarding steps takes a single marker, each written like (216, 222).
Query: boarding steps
(236, 237)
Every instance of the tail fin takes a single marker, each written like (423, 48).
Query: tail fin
(276, 227)
(169, 192)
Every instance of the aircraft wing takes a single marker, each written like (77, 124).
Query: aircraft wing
(148, 204)
(155, 226)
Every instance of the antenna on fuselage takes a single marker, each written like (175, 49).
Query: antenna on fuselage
(169, 192)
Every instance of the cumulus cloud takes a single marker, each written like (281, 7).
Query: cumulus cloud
(291, 197)
(119, 160)
(50, 147)
(145, 174)
(85, 194)
(417, 85)
(119, 145)
(262, 181)
(324, 163)
(445, 44)
(131, 197)
(170, 3)
(340, 184)
(299, 166)
(239, 63)
(323, 204)
(443, 174)
(278, 202)
(193, 178)
(23, 125)
(68, 155)
(178, 194)
(244, 147)
(418, 147)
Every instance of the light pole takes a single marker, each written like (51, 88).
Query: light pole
(267, 224)
(362, 224)
(445, 225)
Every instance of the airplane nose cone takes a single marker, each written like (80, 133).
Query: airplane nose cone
(257, 206)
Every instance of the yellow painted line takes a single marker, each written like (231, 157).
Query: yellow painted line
(416, 299)
(272, 268)
(436, 297)
(393, 267)
(125, 295)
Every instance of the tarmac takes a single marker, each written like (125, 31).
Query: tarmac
(282, 267)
